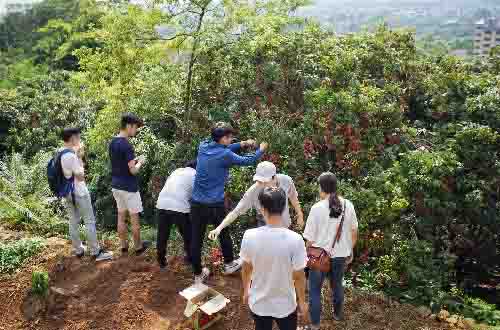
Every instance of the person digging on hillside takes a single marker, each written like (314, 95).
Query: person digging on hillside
(215, 157)
(327, 217)
(124, 168)
(274, 259)
(77, 197)
(265, 176)
(174, 208)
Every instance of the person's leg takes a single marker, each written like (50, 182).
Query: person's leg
(136, 230)
(262, 322)
(316, 279)
(288, 323)
(336, 281)
(134, 206)
(123, 229)
(74, 227)
(226, 243)
(84, 205)
(198, 228)
(122, 218)
(164, 225)
(184, 227)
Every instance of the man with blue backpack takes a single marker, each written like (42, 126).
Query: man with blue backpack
(67, 180)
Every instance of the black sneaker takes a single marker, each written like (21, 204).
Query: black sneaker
(145, 246)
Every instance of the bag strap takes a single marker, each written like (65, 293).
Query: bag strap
(339, 231)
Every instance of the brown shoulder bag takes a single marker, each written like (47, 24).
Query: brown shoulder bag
(317, 258)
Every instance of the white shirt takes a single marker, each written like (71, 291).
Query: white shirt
(321, 229)
(177, 191)
(251, 198)
(275, 253)
(71, 166)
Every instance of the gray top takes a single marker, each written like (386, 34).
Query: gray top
(251, 198)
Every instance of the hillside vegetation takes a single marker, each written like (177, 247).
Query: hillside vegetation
(414, 138)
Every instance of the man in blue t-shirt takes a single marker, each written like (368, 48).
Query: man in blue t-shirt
(215, 158)
(124, 168)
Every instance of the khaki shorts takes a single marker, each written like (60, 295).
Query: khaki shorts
(128, 201)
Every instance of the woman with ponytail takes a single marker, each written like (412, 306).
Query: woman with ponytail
(332, 225)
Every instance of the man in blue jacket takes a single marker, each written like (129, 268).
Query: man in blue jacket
(215, 158)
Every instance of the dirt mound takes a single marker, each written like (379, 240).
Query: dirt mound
(131, 293)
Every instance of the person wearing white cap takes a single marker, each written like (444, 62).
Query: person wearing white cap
(265, 176)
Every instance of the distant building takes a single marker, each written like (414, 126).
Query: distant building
(486, 36)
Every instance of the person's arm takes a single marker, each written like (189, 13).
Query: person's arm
(234, 159)
(243, 206)
(78, 171)
(246, 278)
(247, 160)
(299, 281)
(298, 211)
(293, 196)
(247, 267)
(299, 277)
(354, 234)
(235, 147)
(310, 232)
(134, 166)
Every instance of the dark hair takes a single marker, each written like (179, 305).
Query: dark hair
(67, 133)
(192, 164)
(221, 130)
(130, 119)
(328, 184)
(273, 200)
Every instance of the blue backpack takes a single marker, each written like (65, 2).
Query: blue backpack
(59, 185)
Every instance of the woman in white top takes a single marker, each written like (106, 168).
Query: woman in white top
(321, 229)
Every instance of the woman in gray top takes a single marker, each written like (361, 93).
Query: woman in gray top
(265, 176)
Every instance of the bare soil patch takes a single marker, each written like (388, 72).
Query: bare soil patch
(131, 293)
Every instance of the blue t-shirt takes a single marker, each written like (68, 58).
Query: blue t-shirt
(121, 153)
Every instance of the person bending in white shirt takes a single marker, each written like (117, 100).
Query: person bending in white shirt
(265, 176)
(274, 259)
(173, 208)
(321, 230)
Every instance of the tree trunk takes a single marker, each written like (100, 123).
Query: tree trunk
(192, 61)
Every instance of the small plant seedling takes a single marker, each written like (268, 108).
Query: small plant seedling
(40, 283)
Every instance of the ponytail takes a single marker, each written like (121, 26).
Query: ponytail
(328, 184)
(335, 206)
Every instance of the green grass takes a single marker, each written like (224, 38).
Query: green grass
(14, 254)
(40, 283)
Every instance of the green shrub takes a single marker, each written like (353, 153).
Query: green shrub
(40, 283)
(13, 255)
(25, 199)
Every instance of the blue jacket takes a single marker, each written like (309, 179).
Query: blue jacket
(212, 170)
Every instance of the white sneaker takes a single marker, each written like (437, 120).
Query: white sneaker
(205, 273)
(103, 255)
(232, 267)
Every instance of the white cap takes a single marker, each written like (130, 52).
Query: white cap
(265, 172)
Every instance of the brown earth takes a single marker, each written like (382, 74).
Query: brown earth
(131, 293)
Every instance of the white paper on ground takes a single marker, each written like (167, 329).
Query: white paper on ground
(193, 291)
(215, 304)
(190, 309)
